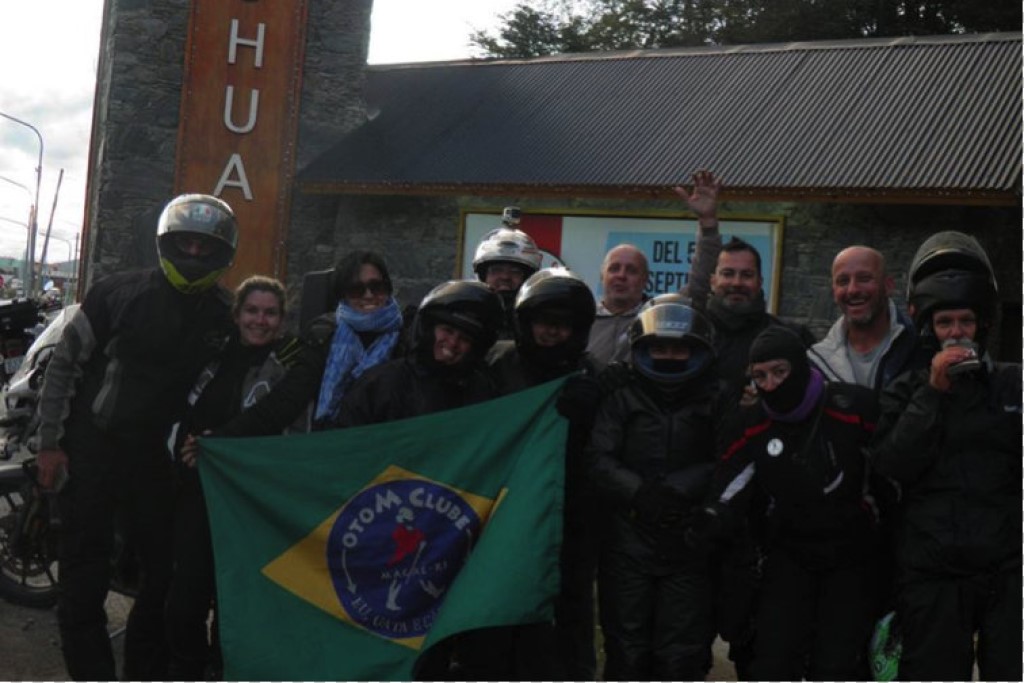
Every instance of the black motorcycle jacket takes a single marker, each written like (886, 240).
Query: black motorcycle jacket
(641, 441)
(814, 473)
(130, 354)
(957, 456)
(513, 372)
(275, 391)
(406, 388)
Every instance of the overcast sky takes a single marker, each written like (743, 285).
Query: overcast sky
(48, 49)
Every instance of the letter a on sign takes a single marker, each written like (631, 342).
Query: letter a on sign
(243, 54)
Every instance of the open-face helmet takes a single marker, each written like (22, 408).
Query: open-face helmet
(506, 245)
(202, 217)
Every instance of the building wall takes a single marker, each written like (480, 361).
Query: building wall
(132, 175)
(419, 236)
(135, 121)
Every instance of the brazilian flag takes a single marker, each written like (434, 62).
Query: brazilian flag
(344, 555)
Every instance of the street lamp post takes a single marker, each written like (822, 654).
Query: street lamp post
(24, 225)
(31, 210)
(30, 271)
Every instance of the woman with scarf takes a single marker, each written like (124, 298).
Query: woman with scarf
(369, 326)
(803, 445)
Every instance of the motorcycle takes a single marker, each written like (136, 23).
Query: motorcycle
(19, 422)
(29, 522)
(20, 321)
(29, 516)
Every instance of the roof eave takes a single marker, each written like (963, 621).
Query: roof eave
(841, 195)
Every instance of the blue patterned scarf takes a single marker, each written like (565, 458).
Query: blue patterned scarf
(348, 359)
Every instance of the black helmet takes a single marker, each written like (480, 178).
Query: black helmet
(467, 305)
(555, 289)
(204, 216)
(951, 270)
(664, 318)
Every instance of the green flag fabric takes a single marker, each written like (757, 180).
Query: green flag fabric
(343, 555)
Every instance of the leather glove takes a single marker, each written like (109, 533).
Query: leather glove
(655, 504)
(320, 331)
(614, 375)
(579, 398)
(706, 527)
(691, 483)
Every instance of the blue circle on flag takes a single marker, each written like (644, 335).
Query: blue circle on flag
(394, 551)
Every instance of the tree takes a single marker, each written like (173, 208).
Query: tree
(527, 32)
(590, 25)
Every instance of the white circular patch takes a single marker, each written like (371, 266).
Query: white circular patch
(774, 447)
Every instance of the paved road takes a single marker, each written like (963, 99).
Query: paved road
(30, 642)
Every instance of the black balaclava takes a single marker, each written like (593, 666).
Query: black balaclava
(776, 343)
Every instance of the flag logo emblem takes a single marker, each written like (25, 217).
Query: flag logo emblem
(388, 555)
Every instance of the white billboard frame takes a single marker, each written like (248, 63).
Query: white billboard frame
(667, 238)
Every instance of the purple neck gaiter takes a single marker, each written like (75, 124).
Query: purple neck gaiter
(815, 388)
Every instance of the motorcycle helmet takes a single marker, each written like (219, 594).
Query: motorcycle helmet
(202, 216)
(467, 305)
(666, 318)
(561, 292)
(506, 245)
(671, 298)
(952, 270)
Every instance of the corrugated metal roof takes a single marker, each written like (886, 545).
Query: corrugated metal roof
(928, 117)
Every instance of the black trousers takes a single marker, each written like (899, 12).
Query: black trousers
(657, 620)
(574, 606)
(563, 650)
(507, 653)
(939, 617)
(736, 573)
(814, 624)
(192, 586)
(112, 479)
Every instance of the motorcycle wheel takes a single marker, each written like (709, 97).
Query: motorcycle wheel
(28, 566)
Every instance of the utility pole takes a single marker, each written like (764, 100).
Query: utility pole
(49, 226)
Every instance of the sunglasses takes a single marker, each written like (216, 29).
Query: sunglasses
(375, 287)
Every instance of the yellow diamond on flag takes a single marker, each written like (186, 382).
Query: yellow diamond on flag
(384, 560)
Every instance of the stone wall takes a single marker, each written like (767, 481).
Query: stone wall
(337, 41)
(419, 236)
(138, 97)
(135, 124)
(816, 232)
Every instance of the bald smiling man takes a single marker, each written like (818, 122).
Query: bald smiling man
(872, 342)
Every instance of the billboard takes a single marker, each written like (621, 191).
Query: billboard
(580, 240)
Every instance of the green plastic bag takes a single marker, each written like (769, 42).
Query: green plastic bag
(885, 648)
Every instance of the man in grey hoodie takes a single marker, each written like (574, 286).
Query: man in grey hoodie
(873, 341)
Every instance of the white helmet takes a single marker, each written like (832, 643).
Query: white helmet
(506, 245)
